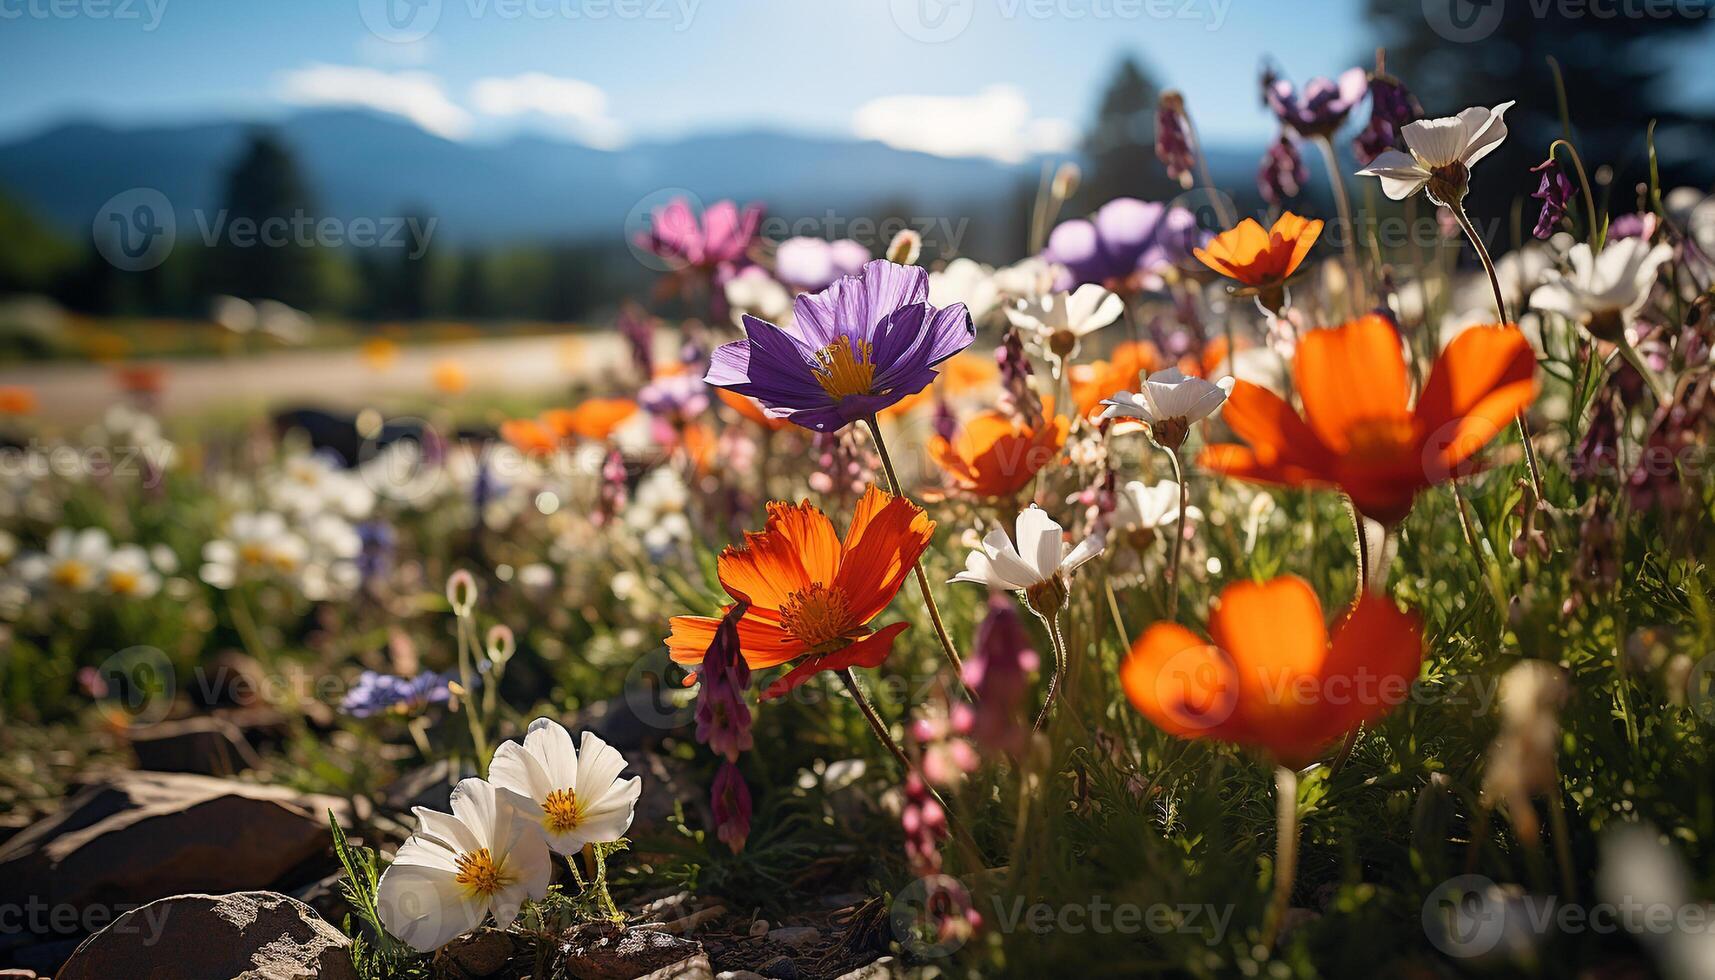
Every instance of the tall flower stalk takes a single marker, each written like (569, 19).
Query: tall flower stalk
(893, 486)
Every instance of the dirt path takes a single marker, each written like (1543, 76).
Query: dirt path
(75, 393)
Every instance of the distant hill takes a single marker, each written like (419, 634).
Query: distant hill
(526, 188)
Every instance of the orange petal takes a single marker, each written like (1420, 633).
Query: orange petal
(1280, 441)
(1352, 376)
(886, 537)
(1181, 683)
(1376, 653)
(763, 643)
(871, 651)
(1478, 386)
(1300, 235)
(796, 548)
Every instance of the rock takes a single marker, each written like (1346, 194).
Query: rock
(780, 968)
(140, 836)
(482, 953)
(694, 967)
(243, 936)
(759, 928)
(668, 783)
(201, 744)
(796, 937)
(739, 975)
(326, 895)
(886, 968)
(18, 975)
(430, 786)
(596, 953)
(619, 723)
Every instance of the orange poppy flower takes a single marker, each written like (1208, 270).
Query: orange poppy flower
(994, 455)
(1270, 676)
(1358, 433)
(16, 400)
(529, 436)
(595, 419)
(379, 353)
(1123, 371)
(1261, 260)
(449, 377)
(966, 371)
(811, 595)
(140, 379)
(751, 409)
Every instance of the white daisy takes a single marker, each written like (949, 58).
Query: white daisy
(128, 572)
(1169, 402)
(74, 560)
(1040, 557)
(1604, 292)
(965, 281)
(1443, 151)
(486, 856)
(256, 545)
(574, 793)
(1144, 507)
(1058, 322)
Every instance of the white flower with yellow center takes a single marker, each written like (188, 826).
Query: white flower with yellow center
(1058, 322)
(257, 545)
(73, 561)
(1037, 560)
(486, 856)
(1443, 151)
(1604, 291)
(575, 793)
(128, 572)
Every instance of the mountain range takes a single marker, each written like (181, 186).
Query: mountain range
(365, 165)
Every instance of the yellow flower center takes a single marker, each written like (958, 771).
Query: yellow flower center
(72, 574)
(251, 553)
(817, 615)
(842, 370)
(123, 582)
(478, 873)
(561, 811)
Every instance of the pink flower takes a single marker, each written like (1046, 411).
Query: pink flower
(731, 805)
(723, 717)
(722, 236)
(998, 671)
(925, 826)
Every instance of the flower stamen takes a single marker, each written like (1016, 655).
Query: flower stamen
(478, 873)
(817, 615)
(844, 369)
(561, 811)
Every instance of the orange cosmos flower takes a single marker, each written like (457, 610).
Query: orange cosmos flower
(995, 455)
(1269, 675)
(811, 595)
(595, 419)
(16, 400)
(1358, 433)
(1123, 371)
(751, 409)
(379, 353)
(140, 379)
(1262, 260)
(529, 436)
(449, 377)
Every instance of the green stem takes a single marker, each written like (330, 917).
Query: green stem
(893, 486)
(1285, 851)
(1355, 290)
(1583, 182)
(478, 741)
(1178, 538)
(879, 727)
(1060, 661)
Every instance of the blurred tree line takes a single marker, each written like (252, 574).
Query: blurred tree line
(406, 279)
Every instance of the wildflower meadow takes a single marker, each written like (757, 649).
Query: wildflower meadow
(1314, 589)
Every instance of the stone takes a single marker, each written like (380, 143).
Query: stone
(796, 937)
(202, 744)
(482, 953)
(780, 968)
(139, 836)
(245, 936)
(594, 952)
(886, 968)
(694, 967)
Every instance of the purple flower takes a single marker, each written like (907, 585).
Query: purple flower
(723, 717)
(611, 497)
(1391, 107)
(925, 826)
(809, 265)
(375, 693)
(1554, 191)
(856, 347)
(675, 397)
(730, 801)
(376, 553)
(722, 236)
(1634, 225)
(998, 672)
(1173, 139)
(1124, 245)
(1323, 105)
(638, 329)
(1283, 173)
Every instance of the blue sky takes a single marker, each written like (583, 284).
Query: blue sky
(609, 71)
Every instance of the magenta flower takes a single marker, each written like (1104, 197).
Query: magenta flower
(998, 671)
(730, 801)
(723, 717)
(925, 826)
(1282, 174)
(1173, 139)
(855, 348)
(1323, 105)
(1391, 107)
(1554, 191)
(808, 265)
(722, 236)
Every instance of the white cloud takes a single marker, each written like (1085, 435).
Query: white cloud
(576, 106)
(996, 122)
(417, 96)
